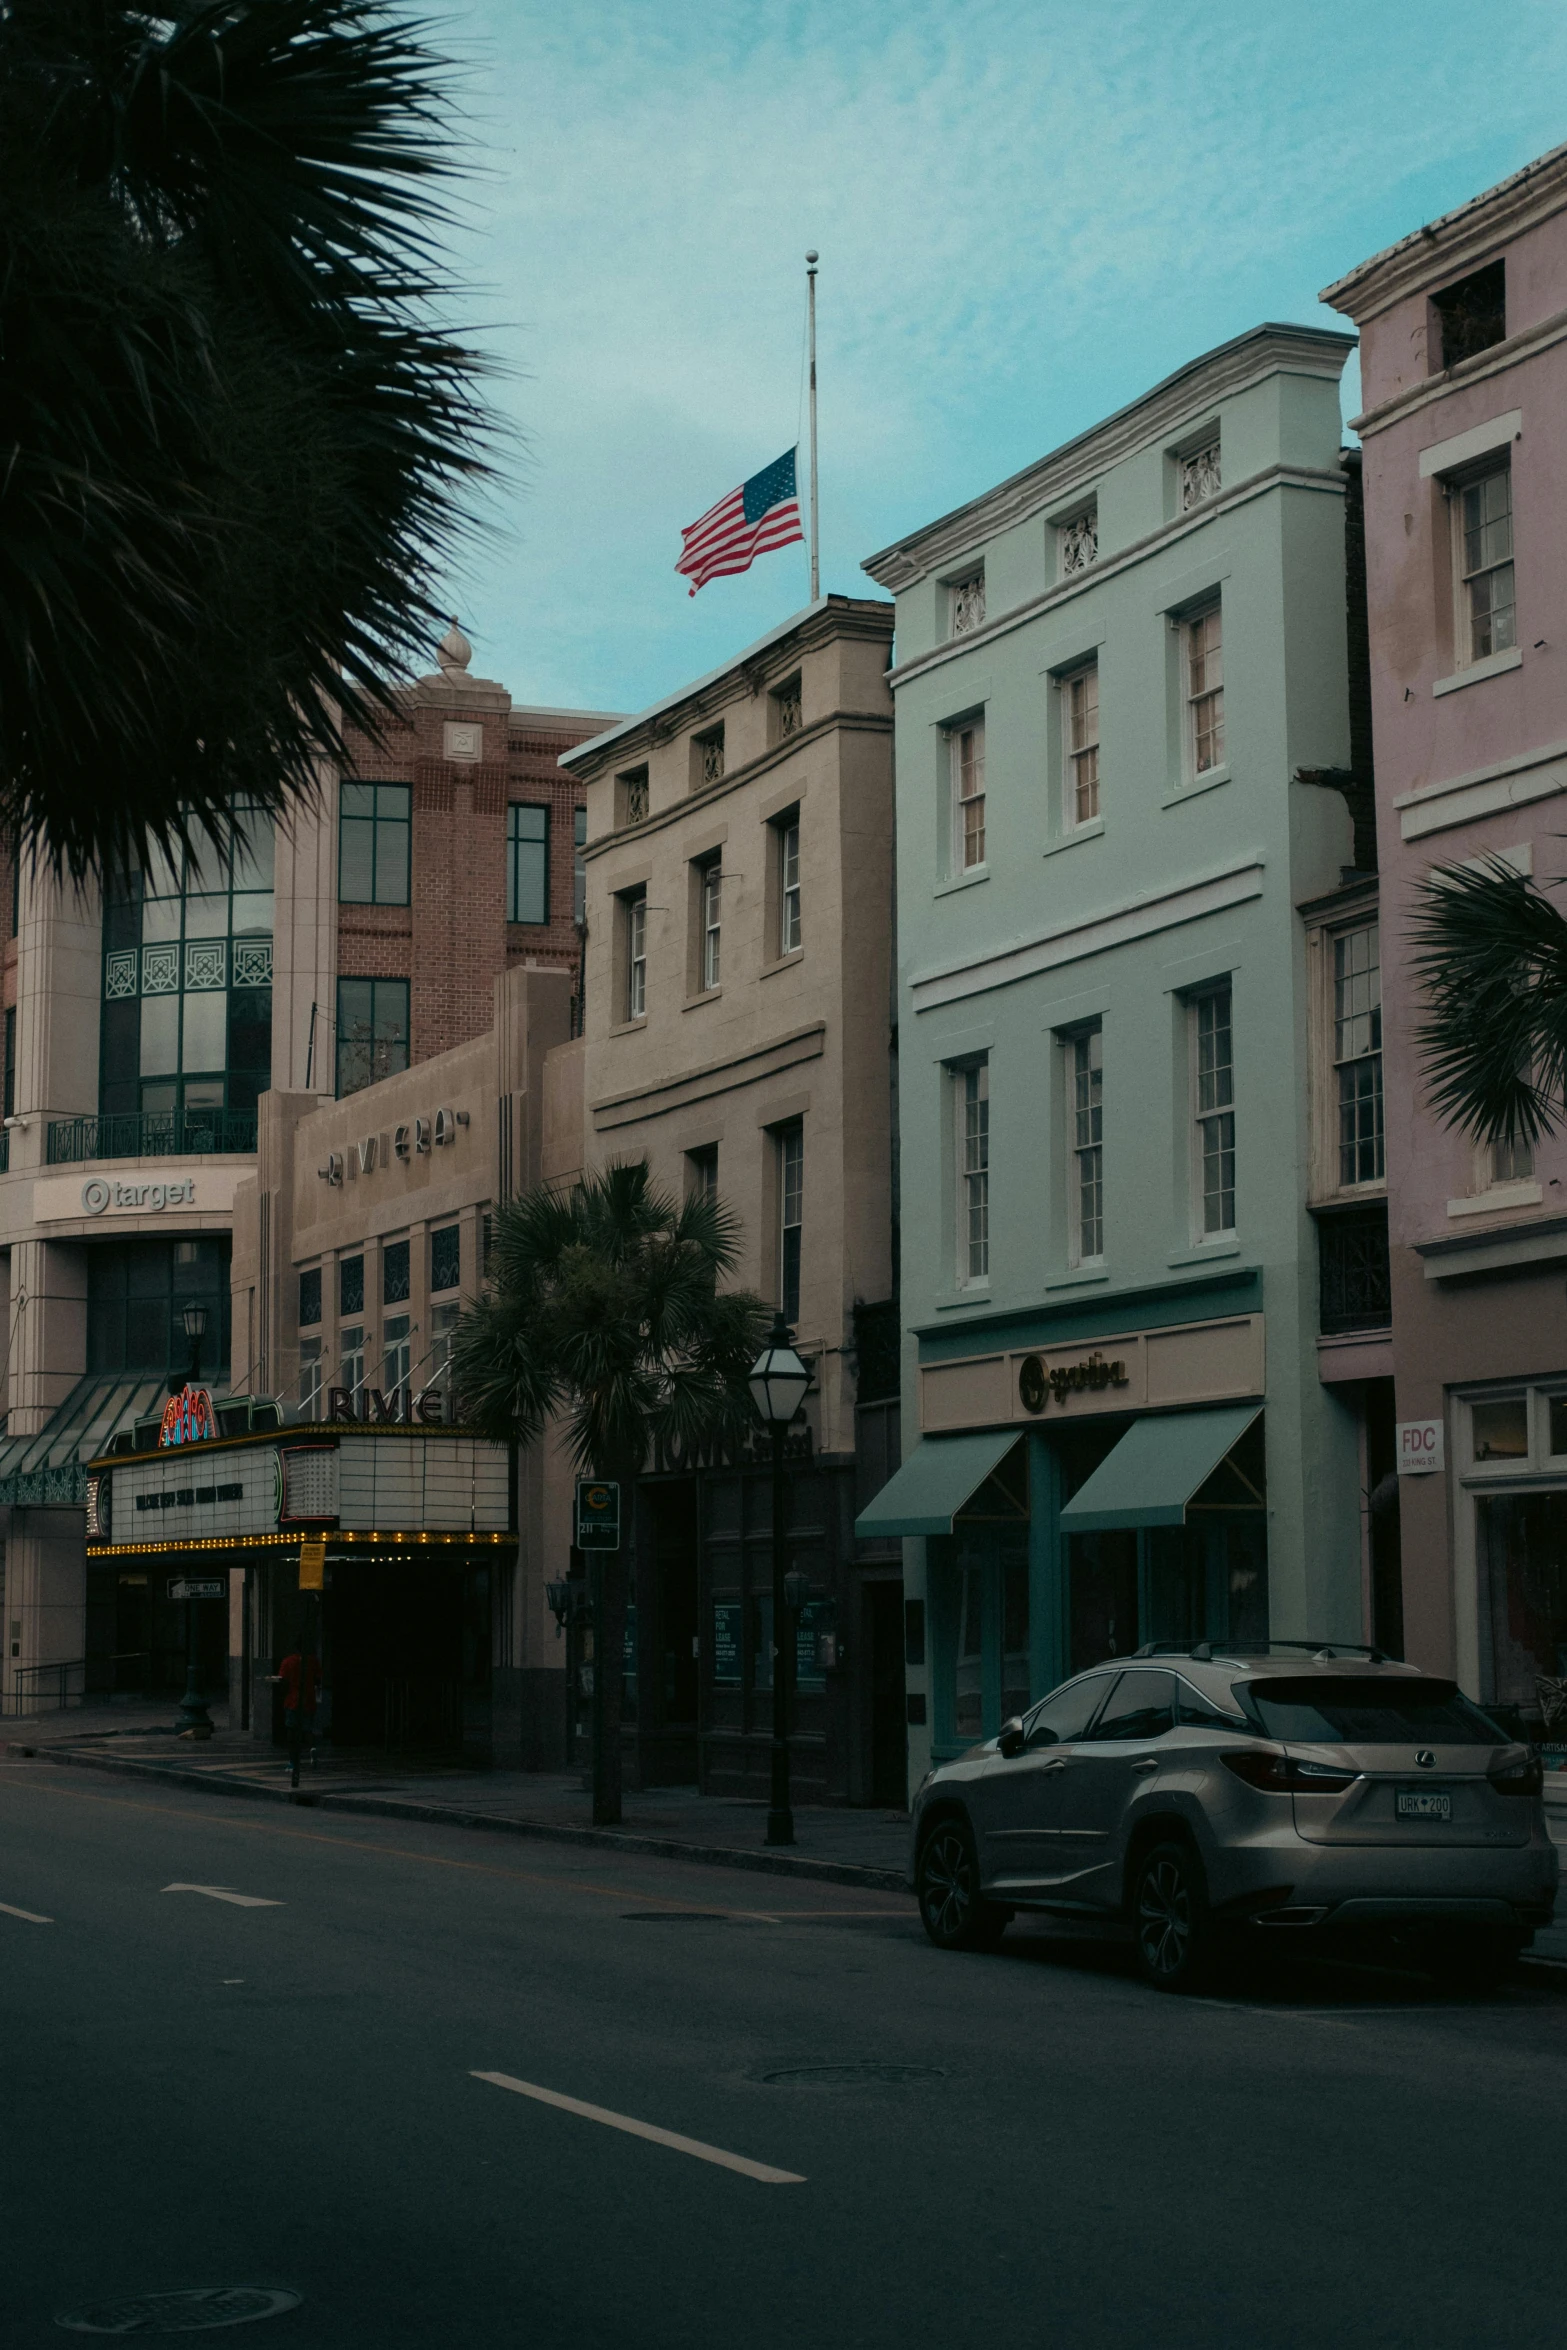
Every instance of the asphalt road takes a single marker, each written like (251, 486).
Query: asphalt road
(197, 2093)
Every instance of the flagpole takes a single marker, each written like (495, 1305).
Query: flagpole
(816, 569)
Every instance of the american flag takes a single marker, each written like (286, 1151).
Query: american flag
(761, 514)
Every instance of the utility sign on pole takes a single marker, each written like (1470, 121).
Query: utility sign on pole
(598, 1514)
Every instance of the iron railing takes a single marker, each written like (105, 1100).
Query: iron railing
(42, 1689)
(1355, 1283)
(150, 1134)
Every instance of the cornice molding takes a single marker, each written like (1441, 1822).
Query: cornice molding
(737, 778)
(1072, 470)
(1453, 244)
(689, 1086)
(1063, 591)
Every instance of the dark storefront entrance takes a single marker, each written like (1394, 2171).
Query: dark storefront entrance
(405, 1647)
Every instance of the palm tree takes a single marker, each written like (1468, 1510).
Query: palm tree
(1490, 950)
(603, 1310)
(235, 439)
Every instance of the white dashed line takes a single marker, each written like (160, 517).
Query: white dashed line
(635, 2129)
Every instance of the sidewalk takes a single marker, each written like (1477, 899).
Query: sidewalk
(832, 1843)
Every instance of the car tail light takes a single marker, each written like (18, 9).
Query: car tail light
(1519, 1778)
(1286, 1774)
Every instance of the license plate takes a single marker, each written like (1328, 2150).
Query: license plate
(1422, 1803)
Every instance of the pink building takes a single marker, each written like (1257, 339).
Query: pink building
(1464, 375)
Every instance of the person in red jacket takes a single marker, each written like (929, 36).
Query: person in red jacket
(300, 1674)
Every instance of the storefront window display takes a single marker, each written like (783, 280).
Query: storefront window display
(1514, 1447)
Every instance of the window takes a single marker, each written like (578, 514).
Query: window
(790, 1144)
(1511, 1162)
(372, 1031)
(136, 1294)
(1199, 476)
(527, 864)
(446, 1257)
(710, 886)
(310, 1378)
(1067, 1714)
(351, 1342)
(1077, 542)
(395, 1270)
(631, 796)
(1214, 1092)
(634, 918)
(1471, 315)
(310, 1298)
(971, 1098)
(789, 931)
(443, 1328)
(966, 603)
(702, 1172)
(186, 1028)
(1485, 529)
(1142, 1705)
(707, 757)
(786, 710)
(397, 1355)
(1357, 1054)
(1086, 1056)
(351, 1286)
(10, 1063)
(1080, 710)
(1205, 690)
(375, 834)
(966, 750)
(579, 867)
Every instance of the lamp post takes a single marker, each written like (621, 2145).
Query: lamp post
(778, 1380)
(193, 1719)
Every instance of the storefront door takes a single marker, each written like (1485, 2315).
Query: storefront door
(985, 1588)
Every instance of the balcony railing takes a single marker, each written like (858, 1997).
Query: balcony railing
(1356, 1291)
(150, 1134)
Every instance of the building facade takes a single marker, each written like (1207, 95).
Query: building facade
(738, 1038)
(146, 1026)
(1112, 671)
(1464, 376)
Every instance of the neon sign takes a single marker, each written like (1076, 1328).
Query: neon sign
(188, 1417)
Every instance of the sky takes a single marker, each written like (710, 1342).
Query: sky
(1027, 214)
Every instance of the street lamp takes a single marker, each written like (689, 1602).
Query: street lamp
(193, 1719)
(778, 1381)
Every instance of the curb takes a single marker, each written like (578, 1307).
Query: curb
(723, 1856)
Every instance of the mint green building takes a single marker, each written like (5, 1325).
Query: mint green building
(1110, 672)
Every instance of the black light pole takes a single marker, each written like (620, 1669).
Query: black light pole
(778, 1381)
(193, 1719)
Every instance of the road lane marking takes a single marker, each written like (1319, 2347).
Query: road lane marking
(222, 1893)
(31, 1915)
(897, 1905)
(635, 2129)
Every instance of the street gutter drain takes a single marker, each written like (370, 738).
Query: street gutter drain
(195, 2311)
(850, 2076)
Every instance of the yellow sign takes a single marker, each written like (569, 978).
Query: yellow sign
(312, 1565)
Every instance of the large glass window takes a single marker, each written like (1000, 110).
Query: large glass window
(1080, 709)
(1357, 1053)
(446, 1257)
(791, 1215)
(1486, 562)
(372, 1031)
(711, 893)
(634, 919)
(186, 1031)
(971, 1092)
(1205, 690)
(966, 752)
(137, 1291)
(1214, 1091)
(527, 864)
(790, 933)
(1086, 1053)
(374, 851)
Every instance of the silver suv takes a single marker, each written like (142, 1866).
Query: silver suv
(1289, 1797)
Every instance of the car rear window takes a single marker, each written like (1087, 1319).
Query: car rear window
(1367, 1713)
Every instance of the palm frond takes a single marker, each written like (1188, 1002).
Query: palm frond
(1490, 951)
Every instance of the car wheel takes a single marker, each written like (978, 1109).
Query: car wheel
(1472, 1962)
(1171, 1931)
(947, 1883)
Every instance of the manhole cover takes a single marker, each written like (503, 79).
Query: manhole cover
(191, 2312)
(849, 2076)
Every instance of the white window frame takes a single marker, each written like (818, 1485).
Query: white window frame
(711, 906)
(1465, 580)
(967, 805)
(1079, 760)
(790, 930)
(1083, 1055)
(1211, 1106)
(970, 1082)
(636, 954)
(1339, 1064)
(1206, 700)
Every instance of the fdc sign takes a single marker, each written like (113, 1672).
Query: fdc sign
(1419, 1447)
(598, 1514)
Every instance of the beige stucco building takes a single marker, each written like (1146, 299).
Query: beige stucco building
(738, 1036)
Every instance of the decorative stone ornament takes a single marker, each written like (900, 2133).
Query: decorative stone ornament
(453, 652)
(968, 604)
(1079, 542)
(1200, 478)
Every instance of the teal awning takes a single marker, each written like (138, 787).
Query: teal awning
(1151, 1475)
(939, 1476)
(49, 1468)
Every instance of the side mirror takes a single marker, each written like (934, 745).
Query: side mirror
(1011, 1738)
